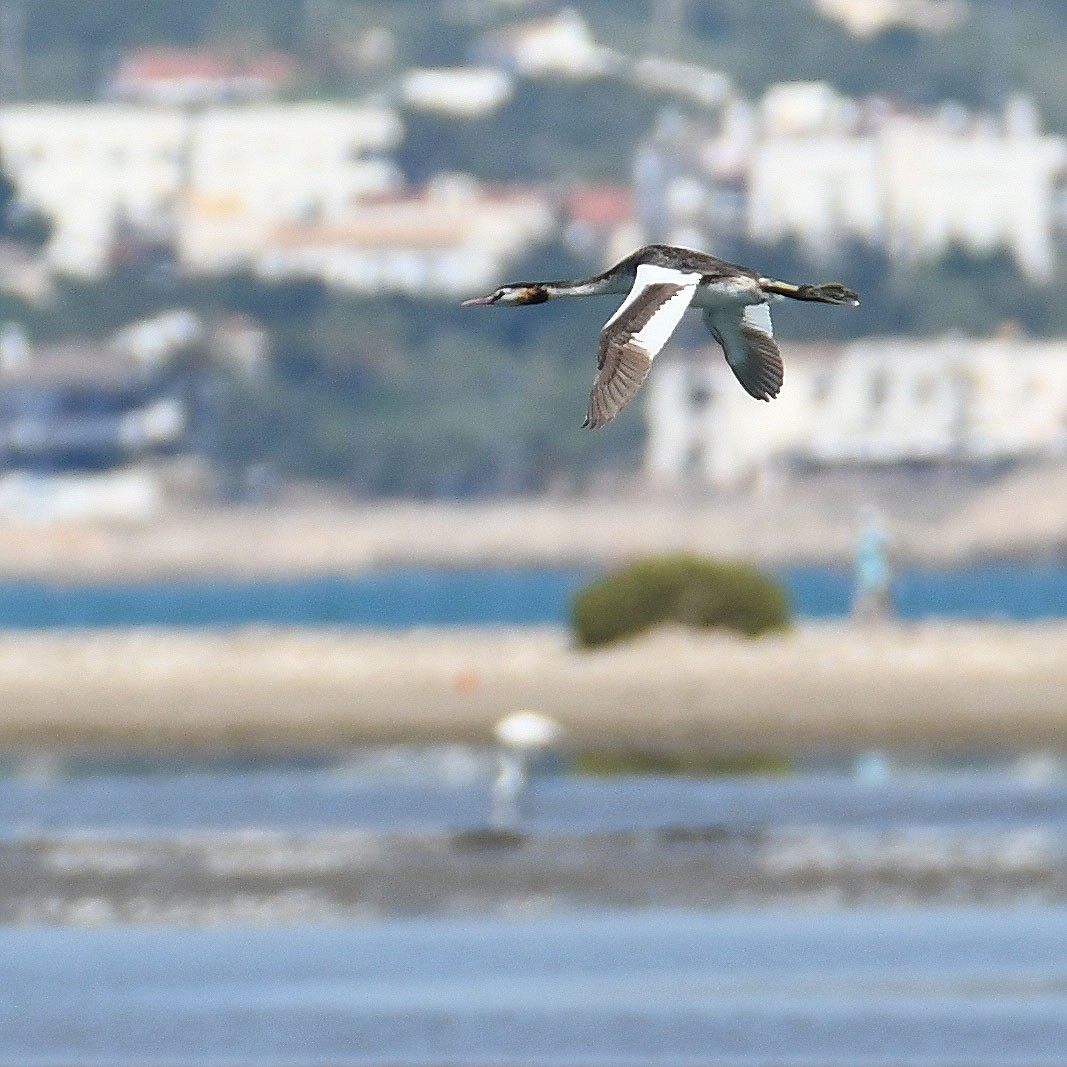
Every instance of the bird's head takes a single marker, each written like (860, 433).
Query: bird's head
(516, 293)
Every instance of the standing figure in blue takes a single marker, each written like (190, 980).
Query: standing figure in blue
(872, 574)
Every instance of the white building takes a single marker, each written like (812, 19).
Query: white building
(301, 190)
(873, 402)
(811, 174)
(866, 18)
(454, 239)
(914, 184)
(89, 167)
(970, 181)
(290, 161)
(822, 169)
(689, 81)
(467, 92)
(93, 167)
(559, 46)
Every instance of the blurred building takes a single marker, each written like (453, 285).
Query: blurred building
(599, 222)
(809, 165)
(465, 92)
(452, 238)
(687, 81)
(301, 190)
(251, 169)
(561, 45)
(292, 161)
(867, 18)
(92, 167)
(189, 76)
(82, 423)
(87, 406)
(100, 169)
(876, 402)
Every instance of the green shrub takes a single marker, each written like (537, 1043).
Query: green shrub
(678, 588)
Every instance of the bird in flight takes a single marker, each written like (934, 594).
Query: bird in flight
(661, 282)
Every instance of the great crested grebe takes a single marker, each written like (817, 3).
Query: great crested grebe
(661, 281)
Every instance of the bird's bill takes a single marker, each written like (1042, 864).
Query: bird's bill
(478, 300)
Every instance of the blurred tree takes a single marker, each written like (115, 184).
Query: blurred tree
(689, 590)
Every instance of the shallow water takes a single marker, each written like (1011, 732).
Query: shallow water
(924, 987)
(447, 788)
(867, 913)
(403, 597)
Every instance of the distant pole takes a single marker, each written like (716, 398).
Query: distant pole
(12, 49)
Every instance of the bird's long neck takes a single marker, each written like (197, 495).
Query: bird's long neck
(600, 285)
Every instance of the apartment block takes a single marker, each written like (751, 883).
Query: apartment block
(875, 402)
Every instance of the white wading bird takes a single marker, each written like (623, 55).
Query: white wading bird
(661, 282)
(524, 737)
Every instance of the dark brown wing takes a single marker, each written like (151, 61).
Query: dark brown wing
(623, 368)
(632, 338)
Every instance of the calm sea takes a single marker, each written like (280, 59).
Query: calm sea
(985, 987)
(403, 597)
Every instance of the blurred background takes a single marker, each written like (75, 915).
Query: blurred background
(358, 707)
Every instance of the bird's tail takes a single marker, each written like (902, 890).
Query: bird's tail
(830, 293)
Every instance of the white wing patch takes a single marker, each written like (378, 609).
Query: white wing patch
(633, 336)
(726, 326)
(655, 333)
(759, 316)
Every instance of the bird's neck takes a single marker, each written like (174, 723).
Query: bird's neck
(601, 285)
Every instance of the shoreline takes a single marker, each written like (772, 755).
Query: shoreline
(939, 687)
(933, 518)
(295, 542)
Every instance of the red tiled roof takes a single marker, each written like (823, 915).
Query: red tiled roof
(600, 205)
(176, 64)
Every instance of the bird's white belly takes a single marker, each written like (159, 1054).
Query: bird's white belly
(728, 293)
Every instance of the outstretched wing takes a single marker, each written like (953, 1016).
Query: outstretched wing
(634, 335)
(748, 343)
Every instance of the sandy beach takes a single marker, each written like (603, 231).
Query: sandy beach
(673, 692)
(935, 519)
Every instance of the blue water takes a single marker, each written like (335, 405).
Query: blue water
(172, 799)
(388, 598)
(976, 986)
(994, 590)
(404, 597)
